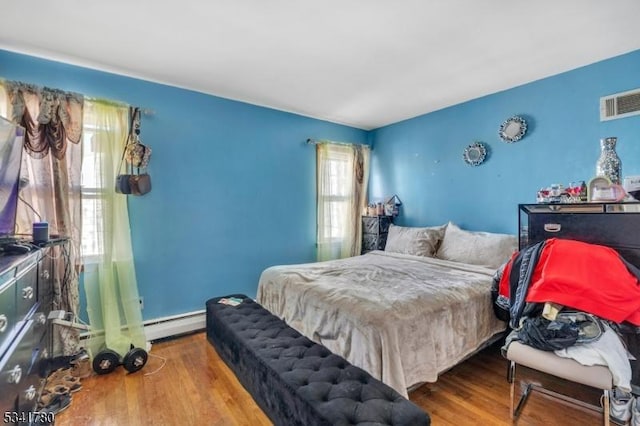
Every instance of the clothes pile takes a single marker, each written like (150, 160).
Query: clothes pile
(572, 298)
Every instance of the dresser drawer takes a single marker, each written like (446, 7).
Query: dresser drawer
(375, 224)
(369, 242)
(31, 383)
(7, 312)
(45, 281)
(373, 242)
(606, 229)
(15, 367)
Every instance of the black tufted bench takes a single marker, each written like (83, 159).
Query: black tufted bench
(296, 381)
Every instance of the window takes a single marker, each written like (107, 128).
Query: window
(103, 135)
(334, 197)
(92, 201)
(341, 174)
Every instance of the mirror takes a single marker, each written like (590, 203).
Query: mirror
(475, 154)
(513, 129)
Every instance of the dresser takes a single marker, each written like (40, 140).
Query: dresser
(26, 295)
(374, 232)
(616, 225)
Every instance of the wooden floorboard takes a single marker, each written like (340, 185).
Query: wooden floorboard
(186, 383)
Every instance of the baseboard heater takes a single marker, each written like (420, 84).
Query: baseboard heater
(174, 325)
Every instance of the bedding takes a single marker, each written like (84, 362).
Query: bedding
(413, 240)
(402, 318)
(479, 248)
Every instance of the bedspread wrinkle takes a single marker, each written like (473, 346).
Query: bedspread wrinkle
(402, 318)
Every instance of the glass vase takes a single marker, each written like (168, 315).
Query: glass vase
(609, 164)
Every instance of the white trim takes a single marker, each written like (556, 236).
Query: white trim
(173, 325)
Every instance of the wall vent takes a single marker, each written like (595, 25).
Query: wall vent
(620, 105)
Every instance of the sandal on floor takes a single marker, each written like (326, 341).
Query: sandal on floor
(57, 404)
(65, 378)
(81, 367)
(45, 398)
(49, 394)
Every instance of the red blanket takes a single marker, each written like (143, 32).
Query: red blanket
(587, 277)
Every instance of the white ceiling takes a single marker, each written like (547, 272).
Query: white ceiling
(365, 63)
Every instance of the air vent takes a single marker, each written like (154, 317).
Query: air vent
(620, 105)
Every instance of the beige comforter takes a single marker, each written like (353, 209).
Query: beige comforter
(402, 318)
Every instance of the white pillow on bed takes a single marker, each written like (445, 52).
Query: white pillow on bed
(413, 240)
(477, 248)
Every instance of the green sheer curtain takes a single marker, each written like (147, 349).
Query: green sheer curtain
(109, 275)
(342, 173)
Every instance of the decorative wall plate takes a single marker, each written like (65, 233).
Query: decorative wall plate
(475, 154)
(513, 129)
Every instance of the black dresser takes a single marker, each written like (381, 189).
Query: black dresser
(616, 225)
(26, 296)
(374, 232)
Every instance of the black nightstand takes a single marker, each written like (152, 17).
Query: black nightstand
(374, 232)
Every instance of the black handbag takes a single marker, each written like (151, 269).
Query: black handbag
(122, 184)
(134, 183)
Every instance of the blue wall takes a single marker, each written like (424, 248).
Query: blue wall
(233, 185)
(421, 159)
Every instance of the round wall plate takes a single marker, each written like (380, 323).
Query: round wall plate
(475, 154)
(513, 129)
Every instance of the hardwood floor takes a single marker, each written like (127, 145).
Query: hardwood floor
(191, 385)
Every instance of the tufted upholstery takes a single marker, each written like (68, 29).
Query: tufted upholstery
(296, 381)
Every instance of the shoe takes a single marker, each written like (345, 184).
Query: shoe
(635, 412)
(81, 366)
(58, 403)
(49, 396)
(64, 377)
(620, 406)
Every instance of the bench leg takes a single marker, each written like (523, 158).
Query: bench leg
(511, 377)
(605, 406)
(516, 409)
(522, 401)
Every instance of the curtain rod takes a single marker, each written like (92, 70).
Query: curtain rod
(311, 141)
(145, 111)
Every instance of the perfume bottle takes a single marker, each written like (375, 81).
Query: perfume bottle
(583, 192)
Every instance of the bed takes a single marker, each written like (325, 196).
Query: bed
(405, 314)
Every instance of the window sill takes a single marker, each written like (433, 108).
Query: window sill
(88, 261)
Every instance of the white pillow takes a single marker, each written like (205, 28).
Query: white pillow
(477, 248)
(415, 241)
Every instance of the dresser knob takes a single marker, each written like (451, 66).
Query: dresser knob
(15, 374)
(4, 322)
(30, 393)
(27, 293)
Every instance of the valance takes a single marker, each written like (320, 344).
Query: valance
(51, 117)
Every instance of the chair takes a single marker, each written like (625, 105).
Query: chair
(547, 362)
